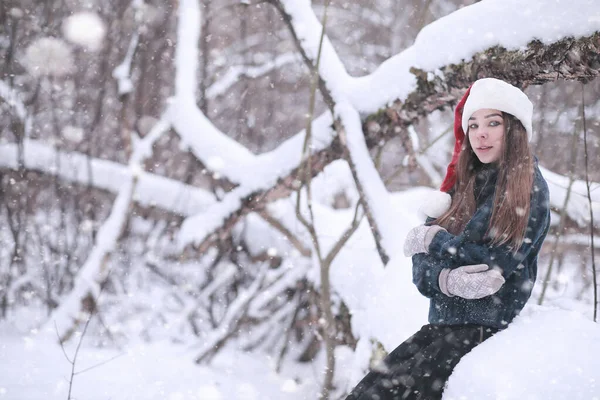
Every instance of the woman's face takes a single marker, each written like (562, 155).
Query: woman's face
(486, 134)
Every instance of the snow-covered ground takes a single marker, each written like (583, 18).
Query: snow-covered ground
(546, 354)
(34, 367)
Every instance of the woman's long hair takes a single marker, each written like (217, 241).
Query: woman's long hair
(512, 198)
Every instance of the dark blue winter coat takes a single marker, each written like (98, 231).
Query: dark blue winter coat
(472, 247)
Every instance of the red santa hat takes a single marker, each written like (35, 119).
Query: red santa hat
(484, 93)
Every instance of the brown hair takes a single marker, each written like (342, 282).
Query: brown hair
(512, 198)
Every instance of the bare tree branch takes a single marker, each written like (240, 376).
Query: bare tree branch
(275, 223)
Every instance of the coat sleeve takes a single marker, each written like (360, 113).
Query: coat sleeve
(462, 251)
(426, 271)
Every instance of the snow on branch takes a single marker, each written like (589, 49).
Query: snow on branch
(214, 149)
(420, 93)
(274, 176)
(12, 98)
(290, 274)
(122, 71)
(234, 73)
(82, 300)
(152, 190)
(69, 314)
(233, 316)
(519, 34)
(430, 95)
(578, 208)
(374, 196)
(306, 29)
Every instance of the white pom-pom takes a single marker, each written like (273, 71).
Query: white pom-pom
(435, 204)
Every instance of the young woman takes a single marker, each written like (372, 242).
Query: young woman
(477, 261)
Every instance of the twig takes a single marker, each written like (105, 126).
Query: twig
(419, 153)
(325, 297)
(87, 323)
(61, 345)
(345, 236)
(229, 324)
(563, 215)
(286, 338)
(83, 332)
(99, 364)
(589, 196)
(275, 223)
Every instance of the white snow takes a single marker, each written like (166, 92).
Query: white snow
(458, 36)
(122, 71)
(547, 354)
(85, 29)
(34, 367)
(509, 23)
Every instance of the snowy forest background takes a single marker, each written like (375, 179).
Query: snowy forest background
(158, 198)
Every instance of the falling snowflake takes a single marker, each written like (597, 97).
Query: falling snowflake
(85, 29)
(48, 56)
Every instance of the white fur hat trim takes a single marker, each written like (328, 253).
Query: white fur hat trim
(435, 204)
(498, 95)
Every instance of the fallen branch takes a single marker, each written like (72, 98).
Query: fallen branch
(153, 190)
(234, 315)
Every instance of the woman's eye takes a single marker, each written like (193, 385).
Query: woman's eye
(494, 123)
(473, 126)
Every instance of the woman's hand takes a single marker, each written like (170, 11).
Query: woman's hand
(419, 238)
(470, 281)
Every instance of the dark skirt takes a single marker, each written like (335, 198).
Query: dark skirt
(419, 368)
